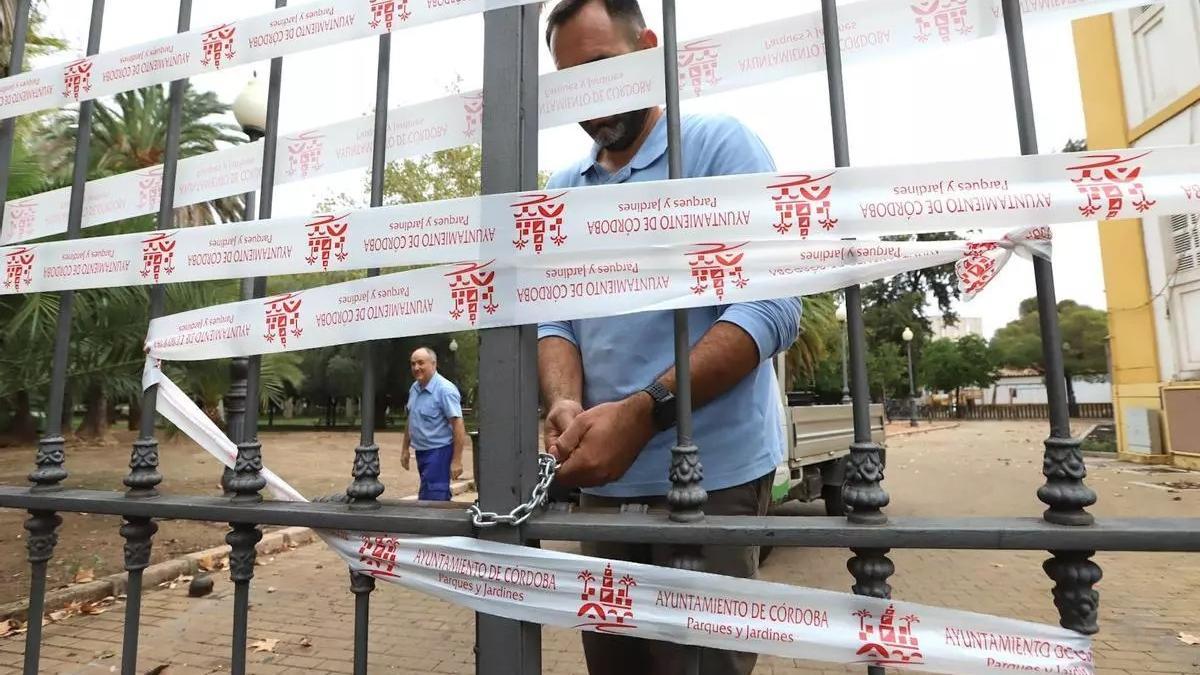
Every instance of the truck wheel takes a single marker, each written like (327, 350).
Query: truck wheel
(832, 496)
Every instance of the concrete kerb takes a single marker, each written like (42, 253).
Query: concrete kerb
(114, 585)
(925, 429)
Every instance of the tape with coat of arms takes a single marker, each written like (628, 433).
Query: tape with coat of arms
(873, 29)
(619, 220)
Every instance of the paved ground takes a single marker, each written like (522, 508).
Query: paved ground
(979, 468)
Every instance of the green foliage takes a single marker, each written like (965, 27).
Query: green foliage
(950, 365)
(1084, 335)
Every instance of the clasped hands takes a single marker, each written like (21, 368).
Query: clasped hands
(597, 446)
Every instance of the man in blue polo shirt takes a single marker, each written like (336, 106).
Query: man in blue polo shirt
(607, 384)
(435, 427)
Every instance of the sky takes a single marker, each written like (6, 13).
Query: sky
(948, 105)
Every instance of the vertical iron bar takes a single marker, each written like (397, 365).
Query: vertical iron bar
(366, 488)
(143, 463)
(845, 366)
(8, 128)
(864, 468)
(686, 496)
(508, 356)
(247, 480)
(144, 476)
(361, 586)
(51, 451)
(242, 540)
(1064, 492)
(49, 472)
(138, 533)
(239, 366)
(43, 537)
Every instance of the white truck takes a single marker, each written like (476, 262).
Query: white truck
(818, 442)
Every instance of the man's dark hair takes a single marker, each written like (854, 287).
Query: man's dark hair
(628, 11)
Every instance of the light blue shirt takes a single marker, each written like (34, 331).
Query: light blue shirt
(430, 409)
(740, 433)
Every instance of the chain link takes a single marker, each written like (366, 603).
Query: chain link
(547, 465)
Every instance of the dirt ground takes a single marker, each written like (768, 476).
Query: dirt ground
(315, 462)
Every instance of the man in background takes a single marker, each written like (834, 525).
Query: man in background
(435, 428)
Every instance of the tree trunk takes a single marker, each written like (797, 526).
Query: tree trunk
(95, 426)
(958, 409)
(381, 405)
(23, 427)
(135, 412)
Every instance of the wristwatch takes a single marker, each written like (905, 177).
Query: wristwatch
(664, 411)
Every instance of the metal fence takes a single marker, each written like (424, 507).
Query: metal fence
(1015, 411)
(507, 466)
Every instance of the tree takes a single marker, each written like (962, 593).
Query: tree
(1084, 332)
(949, 365)
(36, 44)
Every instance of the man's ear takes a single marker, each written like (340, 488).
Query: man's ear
(648, 39)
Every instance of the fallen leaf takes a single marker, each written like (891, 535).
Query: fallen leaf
(264, 645)
(12, 627)
(997, 565)
(305, 642)
(85, 575)
(1189, 639)
(270, 589)
(93, 608)
(106, 654)
(59, 615)
(157, 669)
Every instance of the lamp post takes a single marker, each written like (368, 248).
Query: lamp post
(250, 110)
(453, 361)
(841, 317)
(907, 336)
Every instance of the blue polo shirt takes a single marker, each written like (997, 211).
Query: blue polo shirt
(740, 433)
(430, 409)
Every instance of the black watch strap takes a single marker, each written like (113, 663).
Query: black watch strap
(664, 412)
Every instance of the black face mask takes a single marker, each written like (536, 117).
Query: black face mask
(618, 132)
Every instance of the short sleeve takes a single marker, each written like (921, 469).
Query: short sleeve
(451, 401)
(562, 329)
(772, 324)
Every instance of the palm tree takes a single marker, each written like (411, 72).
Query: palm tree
(129, 133)
(36, 44)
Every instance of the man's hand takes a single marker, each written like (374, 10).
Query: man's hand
(602, 443)
(558, 419)
(456, 469)
(404, 458)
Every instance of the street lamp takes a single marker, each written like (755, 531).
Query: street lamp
(250, 111)
(907, 336)
(453, 360)
(841, 317)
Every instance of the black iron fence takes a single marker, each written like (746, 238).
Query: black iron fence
(507, 466)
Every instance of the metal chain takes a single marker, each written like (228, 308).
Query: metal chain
(547, 465)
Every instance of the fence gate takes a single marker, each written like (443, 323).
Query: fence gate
(509, 400)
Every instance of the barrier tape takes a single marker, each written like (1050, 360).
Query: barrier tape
(622, 219)
(562, 286)
(258, 38)
(622, 598)
(716, 63)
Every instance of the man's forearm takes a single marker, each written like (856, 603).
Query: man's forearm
(722, 358)
(460, 438)
(560, 371)
(404, 446)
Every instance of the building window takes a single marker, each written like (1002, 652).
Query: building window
(1152, 48)
(1185, 242)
